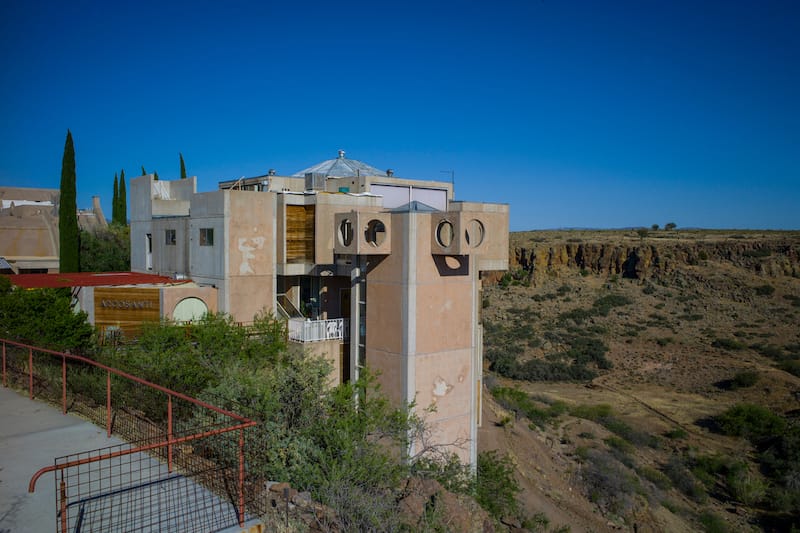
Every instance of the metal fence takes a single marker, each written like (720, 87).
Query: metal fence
(301, 330)
(183, 468)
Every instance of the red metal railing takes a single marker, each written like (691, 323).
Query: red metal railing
(237, 422)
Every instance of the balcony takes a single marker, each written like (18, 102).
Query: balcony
(302, 330)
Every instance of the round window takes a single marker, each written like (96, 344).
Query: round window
(375, 233)
(474, 233)
(345, 232)
(445, 233)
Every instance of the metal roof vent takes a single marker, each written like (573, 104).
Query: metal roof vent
(390, 172)
(271, 172)
(341, 154)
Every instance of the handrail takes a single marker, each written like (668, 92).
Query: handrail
(169, 443)
(131, 377)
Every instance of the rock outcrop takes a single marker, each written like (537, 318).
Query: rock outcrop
(644, 258)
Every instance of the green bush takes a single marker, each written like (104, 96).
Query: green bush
(751, 421)
(497, 487)
(727, 344)
(765, 290)
(684, 481)
(744, 379)
(677, 433)
(713, 523)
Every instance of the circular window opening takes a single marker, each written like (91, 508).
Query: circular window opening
(375, 233)
(445, 233)
(345, 232)
(474, 233)
(189, 309)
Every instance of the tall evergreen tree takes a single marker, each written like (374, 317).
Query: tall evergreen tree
(115, 201)
(183, 167)
(144, 172)
(69, 247)
(123, 200)
(155, 176)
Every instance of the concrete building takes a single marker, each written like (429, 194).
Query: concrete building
(367, 268)
(29, 228)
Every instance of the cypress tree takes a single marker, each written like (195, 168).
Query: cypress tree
(115, 201)
(69, 247)
(183, 167)
(123, 200)
(155, 176)
(144, 172)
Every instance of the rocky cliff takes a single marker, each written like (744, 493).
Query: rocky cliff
(546, 253)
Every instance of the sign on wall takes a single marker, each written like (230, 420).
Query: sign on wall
(125, 308)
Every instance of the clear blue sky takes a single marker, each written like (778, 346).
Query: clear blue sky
(577, 114)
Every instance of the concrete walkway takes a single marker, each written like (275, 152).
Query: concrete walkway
(32, 435)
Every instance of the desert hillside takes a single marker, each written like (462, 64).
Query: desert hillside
(611, 355)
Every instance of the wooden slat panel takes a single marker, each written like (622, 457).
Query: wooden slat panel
(126, 308)
(299, 233)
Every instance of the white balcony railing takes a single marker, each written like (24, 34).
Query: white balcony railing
(301, 330)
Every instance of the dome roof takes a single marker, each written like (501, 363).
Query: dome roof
(341, 167)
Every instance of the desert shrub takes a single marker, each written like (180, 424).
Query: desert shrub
(657, 478)
(677, 433)
(497, 488)
(649, 289)
(684, 480)
(764, 290)
(578, 315)
(713, 523)
(792, 298)
(604, 304)
(790, 366)
(745, 486)
(744, 379)
(591, 412)
(769, 350)
(757, 252)
(520, 402)
(727, 344)
(663, 341)
(702, 255)
(691, 317)
(608, 483)
(750, 421)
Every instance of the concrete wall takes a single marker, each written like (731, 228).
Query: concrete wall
(420, 331)
(250, 249)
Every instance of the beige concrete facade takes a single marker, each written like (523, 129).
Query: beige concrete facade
(367, 269)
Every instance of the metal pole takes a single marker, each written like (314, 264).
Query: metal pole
(169, 433)
(63, 384)
(241, 477)
(30, 372)
(4, 365)
(63, 505)
(108, 403)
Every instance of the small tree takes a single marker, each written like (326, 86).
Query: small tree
(68, 212)
(115, 201)
(183, 167)
(654, 227)
(155, 176)
(642, 233)
(122, 210)
(669, 226)
(144, 172)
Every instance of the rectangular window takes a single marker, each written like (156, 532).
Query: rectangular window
(169, 237)
(206, 236)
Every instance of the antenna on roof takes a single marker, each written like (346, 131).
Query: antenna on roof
(452, 175)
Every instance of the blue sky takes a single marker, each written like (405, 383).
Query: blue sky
(577, 114)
